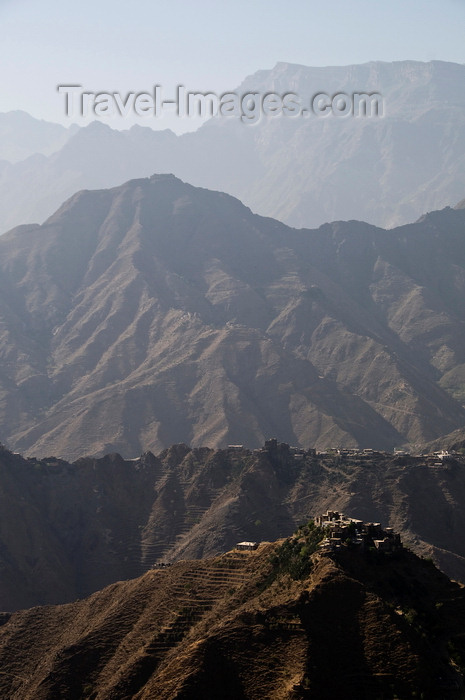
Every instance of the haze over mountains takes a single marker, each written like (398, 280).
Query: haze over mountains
(157, 313)
(386, 170)
(162, 319)
(22, 136)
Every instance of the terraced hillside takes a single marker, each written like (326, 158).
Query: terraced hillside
(67, 530)
(240, 626)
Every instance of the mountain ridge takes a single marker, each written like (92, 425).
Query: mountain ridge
(156, 313)
(243, 625)
(67, 530)
(302, 171)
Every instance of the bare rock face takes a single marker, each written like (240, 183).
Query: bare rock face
(157, 313)
(245, 625)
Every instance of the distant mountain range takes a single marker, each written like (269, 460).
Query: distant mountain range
(156, 313)
(163, 319)
(386, 170)
(22, 136)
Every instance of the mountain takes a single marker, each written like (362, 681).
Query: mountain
(22, 136)
(307, 171)
(386, 170)
(93, 157)
(249, 625)
(157, 313)
(67, 530)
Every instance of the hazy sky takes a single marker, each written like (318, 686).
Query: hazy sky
(206, 45)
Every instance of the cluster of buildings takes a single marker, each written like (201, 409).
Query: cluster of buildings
(281, 452)
(341, 531)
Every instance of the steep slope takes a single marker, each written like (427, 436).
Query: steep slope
(304, 171)
(239, 626)
(68, 530)
(158, 313)
(22, 136)
(95, 156)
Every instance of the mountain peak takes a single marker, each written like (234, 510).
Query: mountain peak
(252, 307)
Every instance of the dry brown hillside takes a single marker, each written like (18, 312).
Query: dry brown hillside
(248, 626)
(67, 530)
(157, 313)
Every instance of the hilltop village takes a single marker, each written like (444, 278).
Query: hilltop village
(341, 530)
(285, 454)
(283, 450)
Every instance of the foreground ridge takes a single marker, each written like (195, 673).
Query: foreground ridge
(88, 524)
(284, 620)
